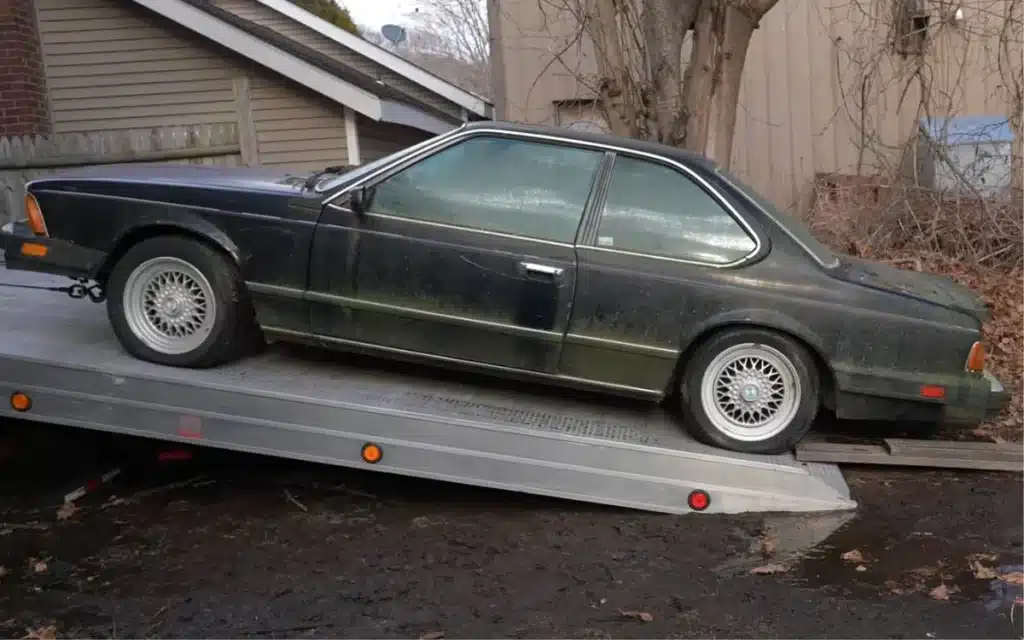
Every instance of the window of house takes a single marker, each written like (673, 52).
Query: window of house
(656, 210)
(497, 184)
(910, 27)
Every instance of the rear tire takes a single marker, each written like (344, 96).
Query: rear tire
(175, 301)
(750, 390)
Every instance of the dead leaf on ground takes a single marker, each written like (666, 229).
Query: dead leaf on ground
(982, 557)
(981, 572)
(768, 544)
(42, 633)
(1014, 577)
(861, 567)
(853, 556)
(37, 565)
(432, 635)
(942, 592)
(769, 569)
(639, 615)
(3, 572)
(66, 510)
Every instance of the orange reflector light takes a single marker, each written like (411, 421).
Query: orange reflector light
(371, 453)
(20, 401)
(34, 249)
(976, 358)
(35, 216)
(933, 391)
(698, 500)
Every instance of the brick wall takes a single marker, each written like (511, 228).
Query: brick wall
(23, 105)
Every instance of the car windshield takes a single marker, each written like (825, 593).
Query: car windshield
(795, 228)
(331, 183)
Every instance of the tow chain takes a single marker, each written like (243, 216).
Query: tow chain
(78, 291)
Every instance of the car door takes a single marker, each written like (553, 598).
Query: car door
(467, 254)
(664, 251)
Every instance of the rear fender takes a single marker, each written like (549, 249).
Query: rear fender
(763, 319)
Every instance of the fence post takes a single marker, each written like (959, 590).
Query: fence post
(246, 126)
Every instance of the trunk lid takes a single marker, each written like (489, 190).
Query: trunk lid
(936, 289)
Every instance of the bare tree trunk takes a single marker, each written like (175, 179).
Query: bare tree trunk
(711, 85)
(614, 81)
(665, 25)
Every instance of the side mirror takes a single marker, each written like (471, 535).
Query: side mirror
(357, 200)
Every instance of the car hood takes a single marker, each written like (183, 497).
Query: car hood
(936, 289)
(262, 179)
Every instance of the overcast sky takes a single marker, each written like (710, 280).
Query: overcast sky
(377, 13)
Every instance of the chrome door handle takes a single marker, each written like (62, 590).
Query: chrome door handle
(542, 269)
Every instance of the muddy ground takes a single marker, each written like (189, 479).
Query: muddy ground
(231, 545)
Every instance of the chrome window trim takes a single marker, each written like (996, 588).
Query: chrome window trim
(460, 133)
(443, 225)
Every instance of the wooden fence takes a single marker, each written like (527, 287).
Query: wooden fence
(23, 159)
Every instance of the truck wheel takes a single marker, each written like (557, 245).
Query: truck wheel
(750, 390)
(176, 301)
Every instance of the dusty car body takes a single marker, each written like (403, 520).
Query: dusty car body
(559, 256)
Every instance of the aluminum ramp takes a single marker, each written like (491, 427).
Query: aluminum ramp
(63, 355)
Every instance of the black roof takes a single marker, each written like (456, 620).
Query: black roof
(335, 67)
(608, 140)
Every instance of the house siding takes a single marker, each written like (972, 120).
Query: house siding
(798, 112)
(378, 139)
(112, 65)
(267, 17)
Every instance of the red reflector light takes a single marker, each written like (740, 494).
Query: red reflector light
(698, 500)
(933, 391)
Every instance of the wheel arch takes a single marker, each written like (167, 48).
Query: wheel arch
(211, 237)
(768, 321)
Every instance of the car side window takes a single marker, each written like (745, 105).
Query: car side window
(522, 188)
(656, 210)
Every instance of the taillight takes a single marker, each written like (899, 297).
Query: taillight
(35, 216)
(976, 358)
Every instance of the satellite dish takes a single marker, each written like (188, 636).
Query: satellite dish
(393, 34)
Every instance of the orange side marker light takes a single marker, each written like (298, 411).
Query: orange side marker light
(34, 249)
(20, 401)
(371, 453)
(933, 391)
(976, 358)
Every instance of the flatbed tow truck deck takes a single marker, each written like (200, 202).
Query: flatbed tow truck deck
(62, 356)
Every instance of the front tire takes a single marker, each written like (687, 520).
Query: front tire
(178, 302)
(750, 390)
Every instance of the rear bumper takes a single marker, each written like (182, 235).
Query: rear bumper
(60, 258)
(981, 398)
(970, 399)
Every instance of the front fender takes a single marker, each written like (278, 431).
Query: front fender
(154, 222)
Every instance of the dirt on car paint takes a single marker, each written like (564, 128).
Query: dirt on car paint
(245, 546)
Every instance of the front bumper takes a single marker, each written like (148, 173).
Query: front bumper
(60, 258)
(998, 396)
(981, 398)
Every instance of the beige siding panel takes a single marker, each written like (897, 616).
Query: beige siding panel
(271, 135)
(112, 121)
(113, 65)
(295, 126)
(128, 81)
(255, 12)
(284, 125)
(142, 89)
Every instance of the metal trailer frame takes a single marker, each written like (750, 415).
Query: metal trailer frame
(62, 354)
